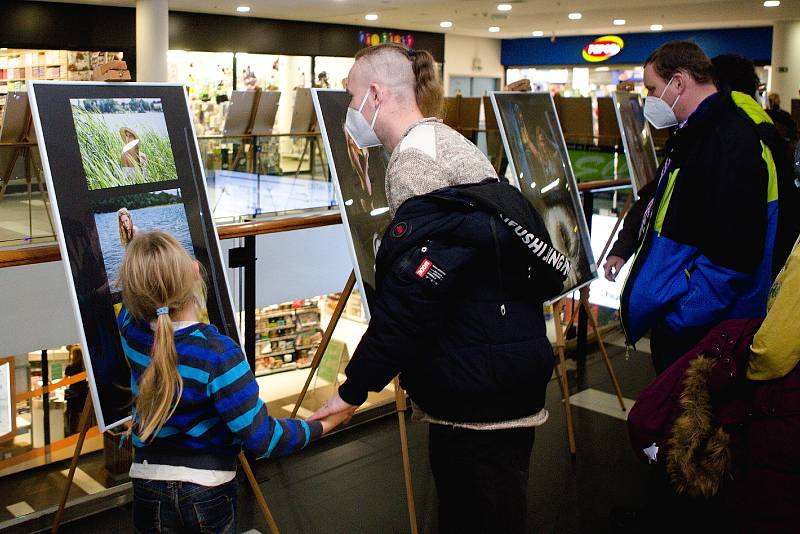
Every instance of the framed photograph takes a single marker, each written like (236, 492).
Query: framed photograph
(119, 159)
(360, 178)
(537, 154)
(640, 150)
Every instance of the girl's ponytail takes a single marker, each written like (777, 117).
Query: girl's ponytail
(428, 88)
(161, 384)
(158, 277)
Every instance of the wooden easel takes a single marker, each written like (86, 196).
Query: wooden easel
(400, 397)
(558, 307)
(111, 72)
(26, 153)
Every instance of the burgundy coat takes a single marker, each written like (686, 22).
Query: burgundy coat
(762, 419)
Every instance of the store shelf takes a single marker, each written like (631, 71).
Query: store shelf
(277, 352)
(276, 370)
(280, 338)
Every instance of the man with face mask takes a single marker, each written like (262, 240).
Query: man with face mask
(708, 235)
(461, 275)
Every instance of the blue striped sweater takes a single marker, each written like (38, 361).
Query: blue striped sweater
(219, 411)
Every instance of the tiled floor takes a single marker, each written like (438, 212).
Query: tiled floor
(353, 482)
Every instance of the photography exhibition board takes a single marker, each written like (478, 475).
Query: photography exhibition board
(359, 176)
(640, 150)
(146, 130)
(541, 169)
(251, 113)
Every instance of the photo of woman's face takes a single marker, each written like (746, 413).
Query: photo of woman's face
(126, 221)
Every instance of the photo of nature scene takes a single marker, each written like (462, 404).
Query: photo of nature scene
(123, 141)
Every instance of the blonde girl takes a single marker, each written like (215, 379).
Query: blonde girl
(196, 401)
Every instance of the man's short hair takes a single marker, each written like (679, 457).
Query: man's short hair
(685, 56)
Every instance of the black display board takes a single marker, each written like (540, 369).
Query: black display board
(639, 147)
(360, 177)
(121, 158)
(538, 156)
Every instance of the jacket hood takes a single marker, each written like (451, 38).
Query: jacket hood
(459, 214)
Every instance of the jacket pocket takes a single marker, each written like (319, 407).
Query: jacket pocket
(525, 364)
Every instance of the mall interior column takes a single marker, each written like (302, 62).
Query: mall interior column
(152, 40)
(786, 61)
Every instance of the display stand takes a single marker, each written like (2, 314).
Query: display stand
(84, 425)
(400, 397)
(558, 307)
(17, 126)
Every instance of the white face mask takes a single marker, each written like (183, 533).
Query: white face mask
(359, 129)
(658, 112)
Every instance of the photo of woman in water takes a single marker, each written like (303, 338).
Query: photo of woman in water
(126, 227)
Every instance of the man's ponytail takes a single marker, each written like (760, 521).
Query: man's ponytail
(428, 88)
(161, 384)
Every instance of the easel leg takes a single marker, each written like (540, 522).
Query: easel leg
(262, 502)
(602, 346)
(400, 400)
(326, 338)
(562, 375)
(9, 172)
(302, 159)
(84, 426)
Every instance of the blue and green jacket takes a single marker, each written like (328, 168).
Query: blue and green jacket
(219, 411)
(706, 251)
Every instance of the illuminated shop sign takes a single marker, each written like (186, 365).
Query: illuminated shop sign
(366, 38)
(603, 48)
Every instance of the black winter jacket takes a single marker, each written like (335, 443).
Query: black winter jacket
(461, 275)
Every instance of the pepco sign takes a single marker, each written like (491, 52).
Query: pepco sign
(603, 48)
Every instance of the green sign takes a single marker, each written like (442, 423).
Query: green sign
(332, 360)
(594, 165)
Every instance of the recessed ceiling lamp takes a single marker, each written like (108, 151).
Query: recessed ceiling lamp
(772, 3)
(371, 16)
(574, 16)
(504, 7)
(538, 33)
(619, 22)
(445, 24)
(243, 9)
(656, 27)
(494, 29)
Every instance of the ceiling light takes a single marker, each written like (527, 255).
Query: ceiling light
(656, 27)
(772, 3)
(494, 29)
(574, 16)
(504, 7)
(445, 24)
(371, 16)
(243, 9)
(619, 22)
(538, 33)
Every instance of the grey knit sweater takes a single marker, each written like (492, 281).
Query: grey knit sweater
(430, 156)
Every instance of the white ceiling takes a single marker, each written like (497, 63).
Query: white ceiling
(473, 17)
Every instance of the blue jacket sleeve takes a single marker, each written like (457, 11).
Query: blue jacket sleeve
(234, 391)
